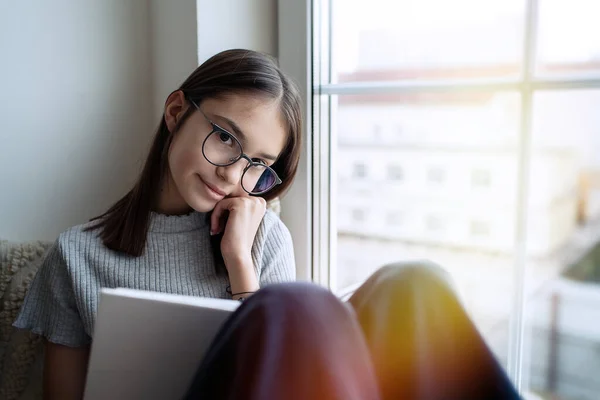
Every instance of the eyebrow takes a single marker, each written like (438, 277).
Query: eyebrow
(238, 132)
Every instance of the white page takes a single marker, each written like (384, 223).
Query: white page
(149, 345)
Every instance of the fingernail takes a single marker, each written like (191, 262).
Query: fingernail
(212, 233)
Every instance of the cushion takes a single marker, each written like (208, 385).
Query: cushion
(21, 352)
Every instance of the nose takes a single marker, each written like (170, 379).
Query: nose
(232, 174)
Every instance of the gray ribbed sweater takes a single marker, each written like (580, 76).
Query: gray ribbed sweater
(63, 299)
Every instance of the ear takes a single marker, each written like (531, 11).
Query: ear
(175, 106)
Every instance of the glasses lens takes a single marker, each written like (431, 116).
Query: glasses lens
(259, 179)
(221, 148)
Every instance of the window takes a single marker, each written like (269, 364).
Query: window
(516, 94)
(358, 215)
(377, 131)
(395, 218)
(359, 170)
(434, 223)
(395, 173)
(436, 175)
(480, 178)
(399, 131)
(480, 229)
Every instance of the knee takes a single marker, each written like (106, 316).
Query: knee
(298, 310)
(405, 288)
(296, 297)
(416, 274)
(293, 290)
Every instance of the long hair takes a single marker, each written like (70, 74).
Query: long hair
(124, 227)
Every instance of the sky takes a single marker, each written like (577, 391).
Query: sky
(568, 30)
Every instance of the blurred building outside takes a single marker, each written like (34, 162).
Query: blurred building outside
(435, 175)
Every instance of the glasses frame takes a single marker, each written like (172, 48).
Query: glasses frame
(217, 129)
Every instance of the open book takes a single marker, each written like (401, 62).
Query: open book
(148, 345)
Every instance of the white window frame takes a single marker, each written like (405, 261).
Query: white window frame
(294, 19)
(306, 207)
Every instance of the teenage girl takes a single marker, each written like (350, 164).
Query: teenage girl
(195, 223)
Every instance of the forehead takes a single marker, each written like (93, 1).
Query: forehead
(260, 120)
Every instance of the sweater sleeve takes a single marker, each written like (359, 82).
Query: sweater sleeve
(274, 252)
(49, 308)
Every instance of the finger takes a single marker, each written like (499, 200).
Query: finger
(218, 213)
(258, 205)
(263, 202)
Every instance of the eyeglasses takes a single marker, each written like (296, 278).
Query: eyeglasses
(221, 148)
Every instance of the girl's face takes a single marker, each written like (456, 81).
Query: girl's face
(192, 181)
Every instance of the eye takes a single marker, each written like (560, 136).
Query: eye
(225, 138)
(259, 161)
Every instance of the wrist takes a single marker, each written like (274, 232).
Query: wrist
(242, 277)
(238, 262)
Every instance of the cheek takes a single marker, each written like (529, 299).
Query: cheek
(185, 160)
(239, 192)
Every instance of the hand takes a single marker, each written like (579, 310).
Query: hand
(239, 219)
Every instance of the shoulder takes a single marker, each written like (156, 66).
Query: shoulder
(272, 236)
(82, 235)
(270, 220)
(274, 251)
(77, 240)
(273, 228)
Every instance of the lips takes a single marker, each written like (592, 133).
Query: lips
(216, 192)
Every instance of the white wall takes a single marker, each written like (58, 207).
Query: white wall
(174, 46)
(185, 33)
(75, 101)
(226, 24)
(82, 86)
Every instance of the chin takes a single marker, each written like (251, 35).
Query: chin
(195, 197)
(203, 207)
(201, 204)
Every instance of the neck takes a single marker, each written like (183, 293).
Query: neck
(170, 201)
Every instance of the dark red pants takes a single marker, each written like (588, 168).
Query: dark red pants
(402, 335)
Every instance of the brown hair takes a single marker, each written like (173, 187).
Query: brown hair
(124, 227)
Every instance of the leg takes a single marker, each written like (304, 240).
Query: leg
(290, 341)
(423, 344)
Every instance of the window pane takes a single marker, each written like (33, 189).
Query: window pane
(443, 188)
(425, 39)
(563, 286)
(568, 37)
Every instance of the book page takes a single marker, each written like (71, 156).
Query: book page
(149, 345)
